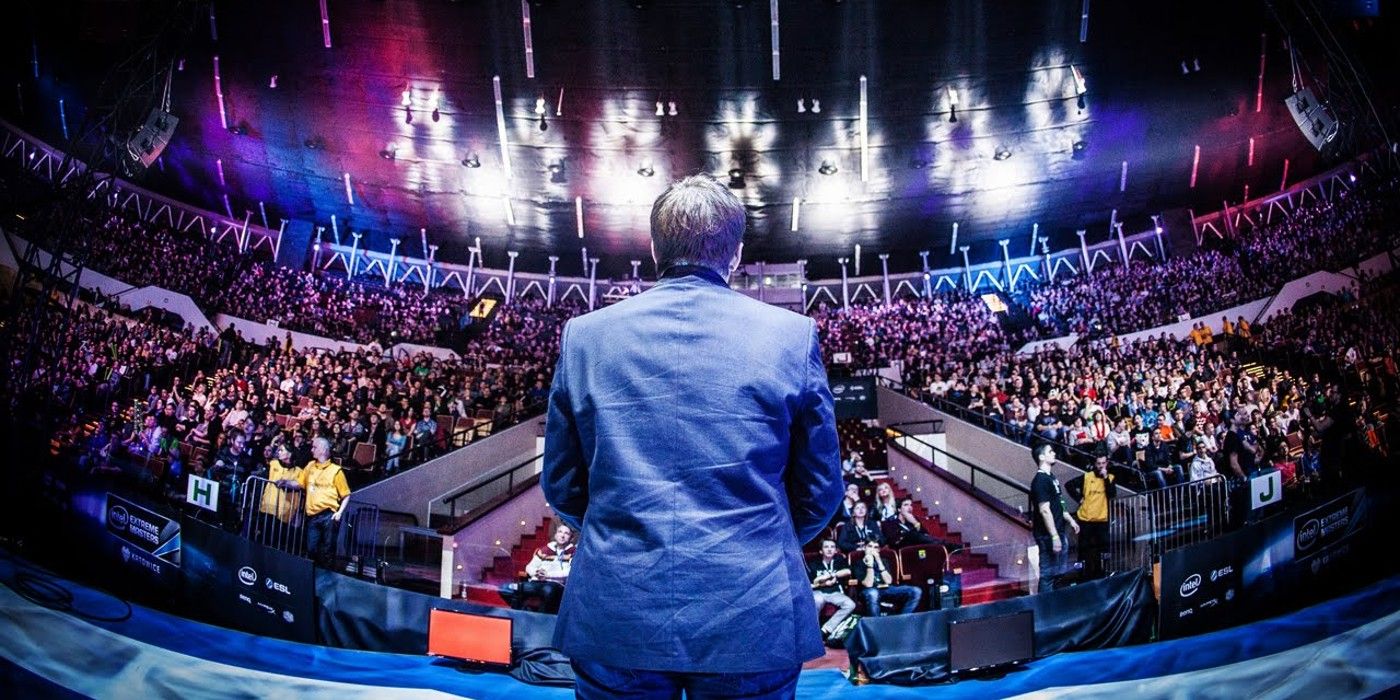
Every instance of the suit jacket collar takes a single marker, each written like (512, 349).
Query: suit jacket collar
(676, 272)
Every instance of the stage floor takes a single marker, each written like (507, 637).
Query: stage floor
(1344, 648)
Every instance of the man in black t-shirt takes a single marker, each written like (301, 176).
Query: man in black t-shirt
(1048, 517)
(1242, 449)
(827, 575)
(876, 575)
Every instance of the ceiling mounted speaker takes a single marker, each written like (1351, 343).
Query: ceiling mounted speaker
(1314, 118)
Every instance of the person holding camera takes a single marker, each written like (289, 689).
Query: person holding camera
(828, 574)
(877, 582)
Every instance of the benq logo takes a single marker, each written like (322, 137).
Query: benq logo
(117, 517)
(1307, 535)
(247, 576)
(838, 390)
(1190, 585)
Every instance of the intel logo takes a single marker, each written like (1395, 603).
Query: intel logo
(247, 576)
(1307, 535)
(838, 390)
(117, 517)
(1190, 585)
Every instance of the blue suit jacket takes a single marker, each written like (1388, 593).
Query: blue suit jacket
(692, 442)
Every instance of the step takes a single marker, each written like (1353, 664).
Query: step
(997, 589)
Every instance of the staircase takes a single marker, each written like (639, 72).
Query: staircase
(981, 579)
(506, 568)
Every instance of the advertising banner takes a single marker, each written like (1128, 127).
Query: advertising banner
(854, 397)
(1317, 530)
(147, 539)
(1201, 586)
(247, 586)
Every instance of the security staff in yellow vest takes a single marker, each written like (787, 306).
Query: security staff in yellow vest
(1093, 490)
(327, 495)
(277, 502)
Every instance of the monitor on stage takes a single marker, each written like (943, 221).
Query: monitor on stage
(476, 639)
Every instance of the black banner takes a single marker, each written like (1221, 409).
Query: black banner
(855, 397)
(242, 584)
(1315, 531)
(1201, 586)
(147, 539)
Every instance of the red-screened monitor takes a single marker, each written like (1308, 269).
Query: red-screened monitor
(480, 639)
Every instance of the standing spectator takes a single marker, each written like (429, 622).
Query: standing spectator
(327, 496)
(1094, 491)
(1048, 517)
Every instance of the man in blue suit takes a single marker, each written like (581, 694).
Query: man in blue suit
(691, 440)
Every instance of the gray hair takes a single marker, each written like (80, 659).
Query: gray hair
(696, 221)
(321, 443)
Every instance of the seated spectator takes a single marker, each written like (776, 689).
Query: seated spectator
(876, 577)
(829, 575)
(859, 530)
(546, 573)
(886, 507)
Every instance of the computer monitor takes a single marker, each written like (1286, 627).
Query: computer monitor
(476, 639)
(987, 642)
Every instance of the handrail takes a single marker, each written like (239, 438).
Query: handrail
(974, 468)
(470, 488)
(512, 418)
(1121, 470)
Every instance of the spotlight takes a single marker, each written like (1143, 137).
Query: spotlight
(801, 106)
(953, 115)
(315, 143)
(660, 109)
(1080, 103)
(436, 115)
(816, 106)
(406, 100)
(239, 129)
(408, 115)
(1352, 177)
(390, 152)
(918, 164)
(1079, 147)
(952, 105)
(646, 170)
(736, 179)
(539, 106)
(557, 173)
(272, 83)
(827, 168)
(1185, 70)
(1002, 153)
(471, 161)
(544, 125)
(671, 108)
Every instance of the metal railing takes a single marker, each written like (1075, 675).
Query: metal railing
(478, 493)
(993, 485)
(273, 515)
(1126, 474)
(440, 445)
(1142, 526)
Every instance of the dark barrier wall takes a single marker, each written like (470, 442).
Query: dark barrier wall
(246, 586)
(1277, 565)
(914, 648)
(357, 614)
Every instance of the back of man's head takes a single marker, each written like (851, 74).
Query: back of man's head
(696, 221)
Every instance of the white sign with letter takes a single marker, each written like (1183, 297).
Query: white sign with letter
(203, 493)
(1265, 488)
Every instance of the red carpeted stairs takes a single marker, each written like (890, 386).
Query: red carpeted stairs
(981, 580)
(508, 568)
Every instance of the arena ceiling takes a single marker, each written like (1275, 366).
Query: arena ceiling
(1056, 124)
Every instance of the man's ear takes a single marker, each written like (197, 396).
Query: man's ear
(738, 256)
(654, 259)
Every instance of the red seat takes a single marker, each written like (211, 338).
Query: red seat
(922, 563)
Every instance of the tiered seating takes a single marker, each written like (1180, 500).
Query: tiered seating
(509, 568)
